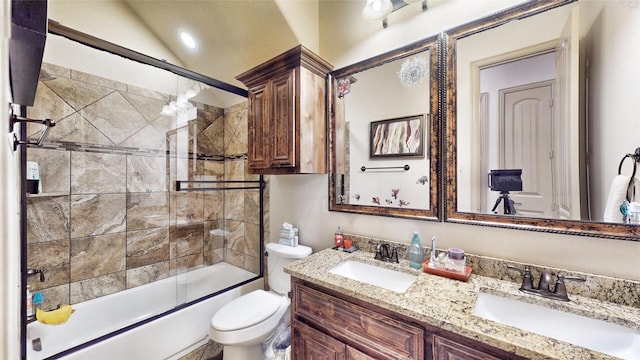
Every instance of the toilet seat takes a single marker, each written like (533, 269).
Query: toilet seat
(246, 311)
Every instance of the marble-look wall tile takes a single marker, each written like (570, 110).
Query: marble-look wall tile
(235, 235)
(97, 255)
(235, 258)
(147, 138)
(78, 94)
(214, 240)
(164, 124)
(47, 105)
(252, 206)
(146, 173)
(54, 296)
(234, 169)
(97, 214)
(209, 170)
(186, 208)
(148, 93)
(53, 258)
(147, 247)
(148, 107)
(252, 264)
(97, 80)
(54, 166)
(48, 218)
(186, 263)
(251, 239)
(147, 210)
(237, 107)
(186, 240)
(96, 287)
(93, 173)
(234, 204)
(213, 205)
(235, 132)
(147, 274)
(209, 139)
(50, 71)
(115, 117)
(75, 128)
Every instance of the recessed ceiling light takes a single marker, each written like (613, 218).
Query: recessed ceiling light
(188, 40)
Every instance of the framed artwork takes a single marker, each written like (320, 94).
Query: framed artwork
(398, 137)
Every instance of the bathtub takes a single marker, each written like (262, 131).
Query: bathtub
(105, 326)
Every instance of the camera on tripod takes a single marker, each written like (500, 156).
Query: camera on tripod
(505, 180)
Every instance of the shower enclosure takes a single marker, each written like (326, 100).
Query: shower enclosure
(142, 181)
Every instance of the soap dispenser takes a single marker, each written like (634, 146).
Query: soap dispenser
(416, 253)
(338, 238)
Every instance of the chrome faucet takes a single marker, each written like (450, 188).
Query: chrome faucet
(546, 287)
(382, 253)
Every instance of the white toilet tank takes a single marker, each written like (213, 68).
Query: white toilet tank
(278, 256)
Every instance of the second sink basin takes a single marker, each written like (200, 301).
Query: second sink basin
(374, 275)
(598, 335)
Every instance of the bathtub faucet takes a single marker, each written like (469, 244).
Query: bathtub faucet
(31, 272)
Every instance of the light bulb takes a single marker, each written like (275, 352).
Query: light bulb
(376, 10)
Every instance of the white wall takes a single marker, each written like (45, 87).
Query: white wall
(9, 211)
(116, 24)
(302, 200)
(614, 122)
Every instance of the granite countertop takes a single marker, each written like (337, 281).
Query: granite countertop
(449, 304)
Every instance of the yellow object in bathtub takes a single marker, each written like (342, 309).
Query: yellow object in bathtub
(55, 317)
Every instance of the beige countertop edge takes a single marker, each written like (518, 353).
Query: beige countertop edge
(456, 301)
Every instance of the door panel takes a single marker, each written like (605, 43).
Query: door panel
(526, 122)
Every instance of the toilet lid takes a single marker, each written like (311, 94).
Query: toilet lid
(245, 311)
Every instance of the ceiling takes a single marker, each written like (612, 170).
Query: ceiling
(233, 35)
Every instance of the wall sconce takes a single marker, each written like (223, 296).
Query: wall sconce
(376, 10)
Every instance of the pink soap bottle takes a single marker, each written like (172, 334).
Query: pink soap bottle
(338, 238)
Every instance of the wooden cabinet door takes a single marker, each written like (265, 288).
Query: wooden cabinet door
(283, 125)
(311, 344)
(444, 349)
(258, 127)
(353, 354)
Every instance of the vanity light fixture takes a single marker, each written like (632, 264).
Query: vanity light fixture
(376, 10)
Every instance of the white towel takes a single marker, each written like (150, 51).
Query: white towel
(617, 195)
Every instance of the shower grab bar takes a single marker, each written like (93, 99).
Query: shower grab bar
(13, 119)
(180, 185)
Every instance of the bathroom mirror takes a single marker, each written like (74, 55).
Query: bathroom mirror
(544, 90)
(383, 134)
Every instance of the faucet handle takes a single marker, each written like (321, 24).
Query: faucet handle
(560, 289)
(394, 255)
(527, 279)
(378, 252)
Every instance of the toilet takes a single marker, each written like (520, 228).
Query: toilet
(243, 324)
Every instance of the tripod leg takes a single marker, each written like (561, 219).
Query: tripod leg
(495, 206)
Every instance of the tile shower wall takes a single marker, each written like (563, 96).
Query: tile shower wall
(107, 219)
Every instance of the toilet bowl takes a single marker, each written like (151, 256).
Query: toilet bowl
(243, 324)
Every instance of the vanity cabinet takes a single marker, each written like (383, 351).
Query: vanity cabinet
(330, 325)
(445, 349)
(287, 114)
(327, 324)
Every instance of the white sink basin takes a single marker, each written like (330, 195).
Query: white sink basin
(598, 335)
(374, 275)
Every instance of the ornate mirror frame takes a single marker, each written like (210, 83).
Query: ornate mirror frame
(448, 42)
(432, 142)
